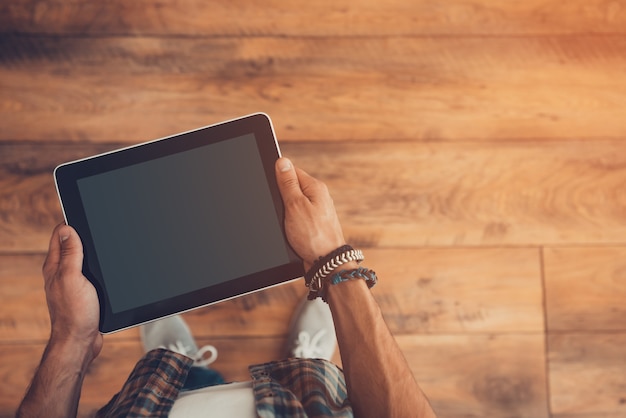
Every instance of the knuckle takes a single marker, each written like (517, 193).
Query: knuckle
(290, 182)
(294, 203)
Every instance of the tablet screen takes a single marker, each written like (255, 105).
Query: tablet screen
(221, 230)
(180, 222)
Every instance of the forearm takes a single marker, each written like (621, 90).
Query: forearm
(380, 382)
(55, 389)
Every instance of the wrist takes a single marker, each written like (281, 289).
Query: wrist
(71, 351)
(56, 386)
(346, 292)
(346, 275)
(316, 278)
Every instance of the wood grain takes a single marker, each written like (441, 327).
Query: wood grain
(480, 375)
(24, 314)
(398, 194)
(501, 292)
(320, 18)
(410, 194)
(23, 311)
(327, 89)
(448, 291)
(587, 374)
(585, 288)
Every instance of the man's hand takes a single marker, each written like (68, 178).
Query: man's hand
(311, 222)
(72, 299)
(74, 339)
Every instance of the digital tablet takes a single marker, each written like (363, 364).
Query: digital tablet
(180, 222)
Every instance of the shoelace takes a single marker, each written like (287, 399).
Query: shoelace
(198, 357)
(307, 347)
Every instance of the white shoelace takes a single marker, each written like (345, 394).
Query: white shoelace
(307, 347)
(198, 357)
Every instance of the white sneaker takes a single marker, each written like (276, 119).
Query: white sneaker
(312, 331)
(173, 334)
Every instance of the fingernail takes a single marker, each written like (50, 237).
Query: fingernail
(284, 165)
(64, 238)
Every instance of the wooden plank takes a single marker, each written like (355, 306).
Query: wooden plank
(23, 310)
(24, 314)
(320, 18)
(453, 194)
(501, 291)
(458, 291)
(585, 288)
(587, 374)
(480, 375)
(398, 194)
(133, 89)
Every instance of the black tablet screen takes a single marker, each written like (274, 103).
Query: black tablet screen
(169, 226)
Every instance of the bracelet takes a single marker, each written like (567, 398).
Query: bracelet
(320, 262)
(316, 275)
(344, 275)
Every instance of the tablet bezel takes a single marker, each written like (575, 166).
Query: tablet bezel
(67, 175)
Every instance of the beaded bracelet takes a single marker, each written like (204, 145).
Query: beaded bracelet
(344, 275)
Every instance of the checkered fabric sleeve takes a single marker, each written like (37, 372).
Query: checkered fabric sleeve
(152, 387)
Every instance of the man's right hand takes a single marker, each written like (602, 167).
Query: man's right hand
(311, 221)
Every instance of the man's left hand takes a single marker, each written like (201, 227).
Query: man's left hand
(72, 299)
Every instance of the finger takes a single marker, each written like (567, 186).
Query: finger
(71, 250)
(51, 264)
(287, 179)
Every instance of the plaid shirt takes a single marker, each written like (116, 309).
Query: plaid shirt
(288, 388)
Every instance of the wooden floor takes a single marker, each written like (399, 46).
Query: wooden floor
(476, 151)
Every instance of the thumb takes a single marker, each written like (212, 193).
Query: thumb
(71, 250)
(287, 179)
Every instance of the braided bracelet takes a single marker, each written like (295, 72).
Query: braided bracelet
(326, 265)
(344, 275)
(320, 262)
